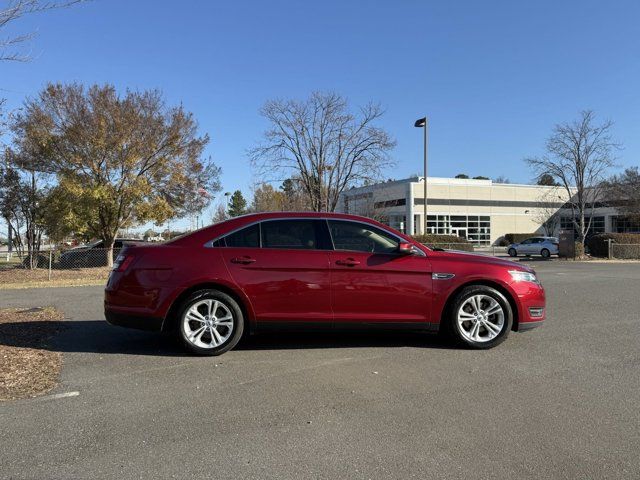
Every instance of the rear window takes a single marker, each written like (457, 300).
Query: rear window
(296, 234)
(248, 237)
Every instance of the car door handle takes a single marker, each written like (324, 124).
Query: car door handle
(243, 260)
(349, 262)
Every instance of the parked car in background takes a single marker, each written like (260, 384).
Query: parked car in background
(91, 255)
(315, 270)
(543, 246)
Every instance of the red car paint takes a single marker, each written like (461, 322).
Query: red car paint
(300, 287)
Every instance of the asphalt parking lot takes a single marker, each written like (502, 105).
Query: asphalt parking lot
(562, 401)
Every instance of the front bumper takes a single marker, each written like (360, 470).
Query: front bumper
(524, 326)
(531, 303)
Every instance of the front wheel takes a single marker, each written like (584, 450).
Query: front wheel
(211, 322)
(480, 317)
(512, 252)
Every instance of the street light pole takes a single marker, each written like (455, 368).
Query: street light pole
(422, 123)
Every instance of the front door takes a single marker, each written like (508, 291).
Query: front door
(371, 282)
(283, 266)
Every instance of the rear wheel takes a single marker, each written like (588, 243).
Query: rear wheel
(211, 322)
(545, 253)
(512, 252)
(480, 317)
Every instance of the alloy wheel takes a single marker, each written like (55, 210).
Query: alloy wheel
(480, 318)
(208, 324)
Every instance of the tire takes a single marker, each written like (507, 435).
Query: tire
(461, 318)
(512, 252)
(203, 335)
(545, 253)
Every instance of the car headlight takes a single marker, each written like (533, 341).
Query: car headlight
(521, 276)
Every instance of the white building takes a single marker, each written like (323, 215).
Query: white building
(480, 210)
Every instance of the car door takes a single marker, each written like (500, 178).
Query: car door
(525, 247)
(536, 246)
(371, 282)
(283, 267)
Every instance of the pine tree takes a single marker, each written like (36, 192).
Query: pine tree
(237, 205)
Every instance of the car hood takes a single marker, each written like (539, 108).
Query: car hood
(480, 258)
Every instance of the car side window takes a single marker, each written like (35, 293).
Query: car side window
(248, 237)
(527, 241)
(361, 237)
(296, 234)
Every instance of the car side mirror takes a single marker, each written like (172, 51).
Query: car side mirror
(405, 248)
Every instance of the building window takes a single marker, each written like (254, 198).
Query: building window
(625, 225)
(399, 222)
(597, 225)
(475, 228)
(398, 202)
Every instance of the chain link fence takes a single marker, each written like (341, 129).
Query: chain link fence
(624, 251)
(53, 266)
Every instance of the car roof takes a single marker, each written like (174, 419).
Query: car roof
(541, 237)
(206, 234)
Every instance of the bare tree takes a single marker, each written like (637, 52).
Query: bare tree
(623, 192)
(320, 141)
(547, 212)
(22, 203)
(295, 198)
(578, 157)
(10, 47)
(220, 213)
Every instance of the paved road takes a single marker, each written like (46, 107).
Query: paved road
(558, 402)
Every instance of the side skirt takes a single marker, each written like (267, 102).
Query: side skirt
(346, 326)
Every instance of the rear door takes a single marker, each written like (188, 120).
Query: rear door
(371, 282)
(283, 267)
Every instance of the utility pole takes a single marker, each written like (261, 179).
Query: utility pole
(422, 123)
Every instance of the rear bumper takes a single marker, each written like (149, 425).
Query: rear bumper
(138, 322)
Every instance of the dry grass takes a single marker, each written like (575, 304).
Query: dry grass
(27, 367)
(25, 278)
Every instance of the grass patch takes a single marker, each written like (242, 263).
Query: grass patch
(11, 278)
(27, 367)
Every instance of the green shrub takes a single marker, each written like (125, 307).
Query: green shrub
(599, 247)
(518, 237)
(448, 242)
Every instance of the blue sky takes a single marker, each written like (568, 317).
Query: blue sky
(493, 77)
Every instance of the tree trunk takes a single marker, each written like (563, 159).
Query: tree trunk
(109, 246)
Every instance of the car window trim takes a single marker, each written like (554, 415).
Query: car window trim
(209, 244)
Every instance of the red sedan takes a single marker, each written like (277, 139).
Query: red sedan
(316, 270)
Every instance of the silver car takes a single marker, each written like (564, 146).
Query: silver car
(544, 246)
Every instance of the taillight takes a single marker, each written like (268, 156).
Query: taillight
(122, 262)
(555, 244)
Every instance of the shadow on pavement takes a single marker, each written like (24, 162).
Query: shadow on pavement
(342, 339)
(97, 336)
